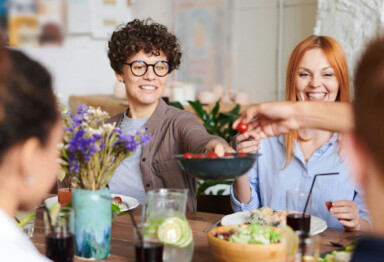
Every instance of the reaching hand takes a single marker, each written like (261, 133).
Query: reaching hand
(273, 119)
(218, 147)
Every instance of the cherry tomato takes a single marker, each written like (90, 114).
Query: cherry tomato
(118, 199)
(189, 155)
(329, 205)
(201, 155)
(241, 154)
(228, 154)
(242, 128)
(212, 155)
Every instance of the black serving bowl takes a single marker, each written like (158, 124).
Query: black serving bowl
(218, 168)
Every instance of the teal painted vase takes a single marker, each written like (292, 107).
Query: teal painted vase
(93, 219)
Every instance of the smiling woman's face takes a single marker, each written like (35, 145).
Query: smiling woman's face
(147, 89)
(316, 80)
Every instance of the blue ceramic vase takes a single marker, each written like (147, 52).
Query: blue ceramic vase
(93, 219)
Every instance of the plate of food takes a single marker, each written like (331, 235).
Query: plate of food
(125, 203)
(269, 217)
(210, 166)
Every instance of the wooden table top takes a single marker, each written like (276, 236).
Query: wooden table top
(122, 248)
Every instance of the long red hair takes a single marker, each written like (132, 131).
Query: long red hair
(336, 58)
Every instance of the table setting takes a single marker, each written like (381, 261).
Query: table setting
(98, 225)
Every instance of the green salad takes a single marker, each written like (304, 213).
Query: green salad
(252, 234)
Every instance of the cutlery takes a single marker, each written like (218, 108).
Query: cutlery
(335, 244)
(212, 226)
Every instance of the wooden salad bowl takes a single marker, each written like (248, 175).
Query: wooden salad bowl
(224, 250)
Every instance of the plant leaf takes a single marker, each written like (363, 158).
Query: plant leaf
(196, 105)
(176, 104)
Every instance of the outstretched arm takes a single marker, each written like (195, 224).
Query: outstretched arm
(276, 118)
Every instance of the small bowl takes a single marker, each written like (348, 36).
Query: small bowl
(226, 251)
(218, 168)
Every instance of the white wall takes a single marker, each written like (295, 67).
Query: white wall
(256, 29)
(82, 67)
(352, 23)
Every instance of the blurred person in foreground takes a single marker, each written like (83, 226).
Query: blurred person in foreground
(30, 130)
(317, 72)
(143, 54)
(363, 138)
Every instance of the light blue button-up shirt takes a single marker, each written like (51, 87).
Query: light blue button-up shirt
(269, 180)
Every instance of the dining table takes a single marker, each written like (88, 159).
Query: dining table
(122, 246)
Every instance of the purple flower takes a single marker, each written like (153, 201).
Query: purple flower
(128, 141)
(97, 136)
(145, 138)
(83, 109)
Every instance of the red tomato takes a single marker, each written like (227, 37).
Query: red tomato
(118, 199)
(242, 127)
(228, 154)
(329, 205)
(201, 155)
(212, 155)
(189, 155)
(242, 154)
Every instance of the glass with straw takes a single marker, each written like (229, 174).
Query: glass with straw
(304, 230)
(148, 248)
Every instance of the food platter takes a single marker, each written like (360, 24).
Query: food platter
(318, 225)
(130, 201)
(219, 167)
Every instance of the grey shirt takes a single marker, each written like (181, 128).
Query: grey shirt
(127, 179)
(174, 131)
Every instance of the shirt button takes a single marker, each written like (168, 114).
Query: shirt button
(143, 159)
(148, 185)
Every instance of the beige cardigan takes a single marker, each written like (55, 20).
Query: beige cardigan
(174, 131)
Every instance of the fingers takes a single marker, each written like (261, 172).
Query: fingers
(247, 116)
(347, 213)
(350, 225)
(219, 149)
(346, 216)
(344, 203)
(245, 143)
(248, 146)
(345, 209)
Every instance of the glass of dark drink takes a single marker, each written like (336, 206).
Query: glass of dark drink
(308, 248)
(59, 237)
(296, 200)
(148, 248)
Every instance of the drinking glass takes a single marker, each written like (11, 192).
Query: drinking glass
(296, 200)
(308, 248)
(64, 190)
(26, 220)
(148, 248)
(59, 235)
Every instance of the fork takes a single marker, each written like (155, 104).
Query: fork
(212, 226)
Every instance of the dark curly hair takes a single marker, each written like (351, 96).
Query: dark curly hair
(144, 35)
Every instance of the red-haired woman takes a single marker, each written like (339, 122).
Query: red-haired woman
(317, 71)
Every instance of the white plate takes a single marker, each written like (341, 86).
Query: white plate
(132, 202)
(318, 225)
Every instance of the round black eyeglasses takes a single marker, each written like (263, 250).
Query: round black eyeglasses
(139, 68)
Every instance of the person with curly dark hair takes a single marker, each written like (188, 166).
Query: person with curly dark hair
(143, 53)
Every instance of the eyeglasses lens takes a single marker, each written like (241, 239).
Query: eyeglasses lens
(139, 68)
(161, 68)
